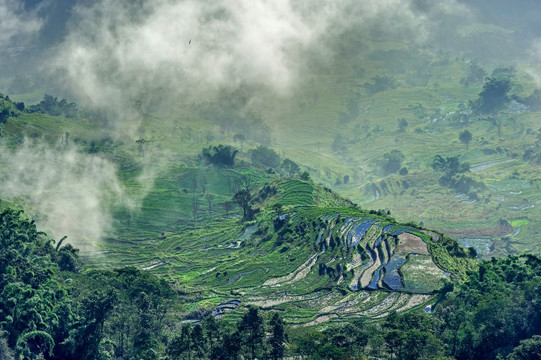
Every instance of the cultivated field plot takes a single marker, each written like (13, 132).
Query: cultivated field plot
(384, 248)
(421, 274)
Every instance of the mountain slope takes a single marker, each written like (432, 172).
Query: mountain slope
(316, 261)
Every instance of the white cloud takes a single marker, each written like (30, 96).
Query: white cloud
(69, 192)
(188, 51)
(16, 25)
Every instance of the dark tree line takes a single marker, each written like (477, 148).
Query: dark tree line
(221, 155)
(498, 306)
(454, 175)
(52, 106)
(9, 108)
(251, 338)
(49, 308)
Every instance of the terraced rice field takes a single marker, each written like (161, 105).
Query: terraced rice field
(331, 264)
(386, 247)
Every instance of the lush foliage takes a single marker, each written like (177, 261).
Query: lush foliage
(9, 108)
(290, 168)
(52, 106)
(47, 308)
(494, 95)
(263, 156)
(496, 307)
(450, 165)
(380, 83)
(50, 308)
(392, 161)
(221, 155)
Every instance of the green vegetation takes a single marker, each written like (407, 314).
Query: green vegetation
(392, 161)
(465, 137)
(380, 83)
(9, 109)
(79, 313)
(51, 106)
(230, 226)
(50, 308)
(493, 310)
(221, 155)
(338, 129)
(519, 222)
(265, 157)
(494, 95)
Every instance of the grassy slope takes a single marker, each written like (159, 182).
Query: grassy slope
(164, 236)
(423, 139)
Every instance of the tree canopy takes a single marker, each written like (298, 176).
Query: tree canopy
(494, 96)
(465, 137)
(392, 161)
(51, 312)
(265, 157)
(221, 155)
(52, 106)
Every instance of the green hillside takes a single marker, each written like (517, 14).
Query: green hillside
(308, 252)
(308, 260)
(342, 125)
(270, 180)
(54, 306)
(368, 130)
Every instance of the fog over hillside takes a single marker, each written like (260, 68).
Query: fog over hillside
(108, 53)
(66, 188)
(270, 179)
(221, 61)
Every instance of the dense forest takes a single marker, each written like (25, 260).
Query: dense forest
(53, 307)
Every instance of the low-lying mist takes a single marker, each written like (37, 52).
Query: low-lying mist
(119, 55)
(69, 192)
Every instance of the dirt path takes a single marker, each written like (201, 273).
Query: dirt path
(414, 301)
(367, 275)
(321, 319)
(296, 275)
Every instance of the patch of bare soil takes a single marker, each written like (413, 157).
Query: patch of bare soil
(409, 243)
(367, 275)
(321, 319)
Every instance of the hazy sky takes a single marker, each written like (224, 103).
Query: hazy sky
(17, 24)
(114, 51)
